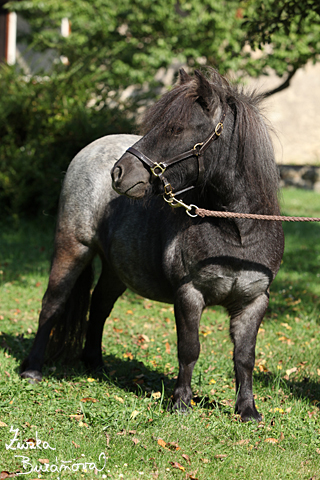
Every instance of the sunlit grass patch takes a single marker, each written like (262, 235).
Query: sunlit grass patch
(123, 413)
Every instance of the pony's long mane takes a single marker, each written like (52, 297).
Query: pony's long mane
(245, 157)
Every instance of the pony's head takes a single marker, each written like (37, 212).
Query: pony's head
(204, 133)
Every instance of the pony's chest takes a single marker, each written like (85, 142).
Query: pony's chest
(223, 277)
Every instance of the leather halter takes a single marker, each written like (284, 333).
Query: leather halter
(158, 168)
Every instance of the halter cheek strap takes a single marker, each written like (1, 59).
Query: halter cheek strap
(158, 168)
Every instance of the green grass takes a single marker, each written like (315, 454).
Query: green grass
(124, 414)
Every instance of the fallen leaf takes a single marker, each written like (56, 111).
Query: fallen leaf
(127, 355)
(271, 440)
(173, 446)
(2, 424)
(162, 443)
(242, 442)
(75, 444)
(117, 330)
(220, 456)
(90, 380)
(281, 436)
(129, 312)
(134, 414)
(177, 465)
(76, 417)
(156, 395)
(192, 476)
(44, 460)
(119, 399)
(318, 450)
(168, 349)
(206, 460)
(286, 325)
(7, 373)
(89, 399)
(135, 440)
(187, 458)
(291, 370)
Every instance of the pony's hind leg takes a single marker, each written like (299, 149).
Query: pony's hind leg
(107, 291)
(189, 305)
(70, 261)
(243, 331)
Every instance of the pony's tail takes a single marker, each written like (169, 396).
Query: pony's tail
(67, 337)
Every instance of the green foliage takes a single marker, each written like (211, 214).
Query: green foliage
(272, 16)
(126, 42)
(123, 413)
(44, 122)
(287, 32)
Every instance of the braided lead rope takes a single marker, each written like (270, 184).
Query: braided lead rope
(278, 218)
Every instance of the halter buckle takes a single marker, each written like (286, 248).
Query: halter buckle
(159, 166)
(197, 146)
(219, 126)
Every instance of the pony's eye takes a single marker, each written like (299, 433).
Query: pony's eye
(176, 130)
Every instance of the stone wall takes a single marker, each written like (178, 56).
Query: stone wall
(300, 176)
(294, 115)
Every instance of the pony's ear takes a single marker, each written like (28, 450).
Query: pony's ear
(204, 91)
(183, 76)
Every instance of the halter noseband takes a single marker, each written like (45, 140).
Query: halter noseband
(158, 168)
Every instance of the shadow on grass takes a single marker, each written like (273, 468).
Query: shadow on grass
(134, 376)
(305, 388)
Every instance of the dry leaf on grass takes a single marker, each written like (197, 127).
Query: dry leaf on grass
(291, 370)
(271, 440)
(187, 458)
(177, 465)
(44, 460)
(220, 456)
(76, 417)
(242, 442)
(119, 399)
(206, 460)
(162, 443)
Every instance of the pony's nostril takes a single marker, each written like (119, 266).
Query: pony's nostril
(116, 174)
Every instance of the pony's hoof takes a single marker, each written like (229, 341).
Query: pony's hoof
(33, 376)
(250, 415)
(179, 406)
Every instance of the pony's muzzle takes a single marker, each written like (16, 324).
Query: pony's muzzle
(130, 178)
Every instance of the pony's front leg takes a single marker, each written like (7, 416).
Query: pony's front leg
(188, 307)
(243, 330)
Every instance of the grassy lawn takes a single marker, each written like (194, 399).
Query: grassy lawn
(79, 425)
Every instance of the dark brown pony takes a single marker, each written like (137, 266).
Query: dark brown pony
(207, 140)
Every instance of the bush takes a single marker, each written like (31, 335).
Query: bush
(44, 122)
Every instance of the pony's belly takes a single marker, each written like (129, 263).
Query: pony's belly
(145, 280)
